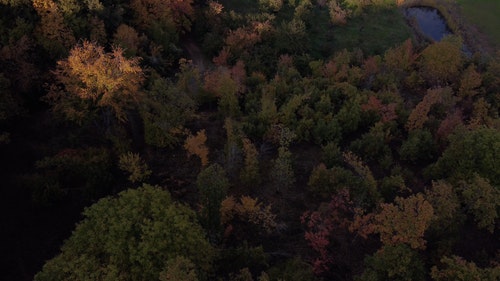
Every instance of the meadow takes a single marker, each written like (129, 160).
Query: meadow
(483, 14)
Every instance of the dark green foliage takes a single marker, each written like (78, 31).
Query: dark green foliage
(349, 117)
(212, 185)
(395, 263)
(84, 171)
(324, 182)
(282, 175)
(373, 146)
(135, 236)
(392, 185)
(292, 269)
(179, 268)
(419, 147)
(469, 152)
(457, 269)
(331, 155)
(242, 256)
(274, 67)
(482, 201)
(165, 112)
(326, 130)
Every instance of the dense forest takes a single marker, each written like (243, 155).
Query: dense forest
(245, 140)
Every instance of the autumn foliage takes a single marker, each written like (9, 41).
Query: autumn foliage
(91, 78)
(324, 225)
(195, 145)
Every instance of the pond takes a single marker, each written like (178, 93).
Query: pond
(430, 22)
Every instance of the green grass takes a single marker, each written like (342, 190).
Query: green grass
(374, 31)
(485, 14)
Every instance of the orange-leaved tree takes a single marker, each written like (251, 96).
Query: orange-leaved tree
(91, 79)
(52, 32)
(404, 222)
(195, 145)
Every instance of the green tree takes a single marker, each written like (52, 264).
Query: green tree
(135, 166)
(469, 152)
(445, 202)
(179, 269)
(134, 236)
(395, 263)
(250, 175)
(442, 61)
(458, 269)
(282, 175)
(419, 147)
(164, 112)
(212, 185)
(482, 201)
(85, 171)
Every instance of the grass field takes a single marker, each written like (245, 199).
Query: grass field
(374, 31)
(485, 14)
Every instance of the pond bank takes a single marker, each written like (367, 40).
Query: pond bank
(473, 39)
(429, 22)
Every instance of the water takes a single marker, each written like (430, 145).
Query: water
(430, 22)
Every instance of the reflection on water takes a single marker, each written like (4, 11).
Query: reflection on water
(430, 22)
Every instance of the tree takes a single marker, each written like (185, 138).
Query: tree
(179, 269)
(133, 164)
(442, 61)
(212, 185)
(469, 152)
(471, 80)
(195, 145)
(282, 175)
(91, 79)
(250, 175)
(327, 225)
(88, 171)
(175, 14)
(446, 205)
(338, 15)
(419, 147)
(222, 85)
(482, 201)
(271, 5)
(371, 194)
(458, 269)
(134, 236)
(404, 222)
(419, 114)
(401, 59)
(164, 111)
(237, 214)
(52, 32)
(396, 263)
(127, 38)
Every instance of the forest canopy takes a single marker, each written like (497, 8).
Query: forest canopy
(246, 140)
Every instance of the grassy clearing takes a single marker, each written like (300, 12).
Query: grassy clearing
(485, 15)
(374, 31)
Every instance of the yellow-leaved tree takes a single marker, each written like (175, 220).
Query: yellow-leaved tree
(92, 80)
